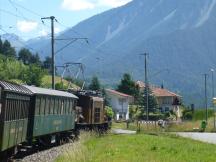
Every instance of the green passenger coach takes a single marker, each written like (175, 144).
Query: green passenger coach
(14, 109)
(52, 114)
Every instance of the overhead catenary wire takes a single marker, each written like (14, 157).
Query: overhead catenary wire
(27, 9)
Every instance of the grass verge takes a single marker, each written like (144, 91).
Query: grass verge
(139, 148)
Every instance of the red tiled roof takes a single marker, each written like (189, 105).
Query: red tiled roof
(158, 92)
(163, 92)
(118, 93)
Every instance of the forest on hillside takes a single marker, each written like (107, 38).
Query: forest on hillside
(22, 67)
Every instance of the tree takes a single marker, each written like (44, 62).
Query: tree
(1, 46)
(152, 102)
(10, 68)
(34, 75)
(24, 55)
(35, 59)
(109, 112)
(128, 86)
(95, 84)
(135, 112)
(7, 50)
(47, 64)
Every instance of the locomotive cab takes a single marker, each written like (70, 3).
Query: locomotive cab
(91, 110)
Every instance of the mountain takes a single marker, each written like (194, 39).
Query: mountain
(15, 40)
(178, 35)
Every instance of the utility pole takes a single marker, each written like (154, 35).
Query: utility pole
(52, 18)
(206, 105)
(146, 86)
(213, 87)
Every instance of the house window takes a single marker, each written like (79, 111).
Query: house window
(166, 109)
(121, 101)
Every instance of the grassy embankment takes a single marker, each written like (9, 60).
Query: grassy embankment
(138, 148)
(47, 82)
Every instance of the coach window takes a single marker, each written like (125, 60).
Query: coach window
(37, 106)
(51, 105)
(47, 105)
(69, 106)
(59, 106)
(62, 106)
(65, 106)
(56, 106)
(42, 106)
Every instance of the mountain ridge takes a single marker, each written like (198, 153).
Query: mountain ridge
(178, 35)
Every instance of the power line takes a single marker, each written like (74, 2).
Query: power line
(93, 48)
(68, 44)
(12, 14)
(30, 11)
(12, 4)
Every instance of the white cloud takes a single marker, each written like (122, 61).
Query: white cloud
(76, 5)
(43, 33)
(26, 26)
(57, 30)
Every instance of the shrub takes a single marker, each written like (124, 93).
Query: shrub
(188, 115)
(109, 112)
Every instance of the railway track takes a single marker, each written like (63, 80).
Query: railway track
(40, 154)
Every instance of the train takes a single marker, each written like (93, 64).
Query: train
(32, 115)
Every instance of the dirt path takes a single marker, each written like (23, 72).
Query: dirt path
(204, 137)
(122, 131)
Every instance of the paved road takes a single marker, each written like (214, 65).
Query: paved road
(204, 137)
(122, 131)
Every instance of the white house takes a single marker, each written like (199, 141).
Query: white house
(120, 103)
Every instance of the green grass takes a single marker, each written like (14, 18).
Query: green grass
(142, 148)
(200, 114)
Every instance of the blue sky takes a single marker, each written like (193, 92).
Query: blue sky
(16, 18)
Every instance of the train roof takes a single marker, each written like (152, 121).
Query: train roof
(50, 92)
(89, 93)
(13, 87)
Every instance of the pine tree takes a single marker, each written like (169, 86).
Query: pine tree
(1, 46)
(7, 50)
(47, 64)
(152, 102)
(128, 86)
(24, 55)
(35, 59)
(95, 84)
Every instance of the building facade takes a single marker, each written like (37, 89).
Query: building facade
(120, 103)
(166, 99)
